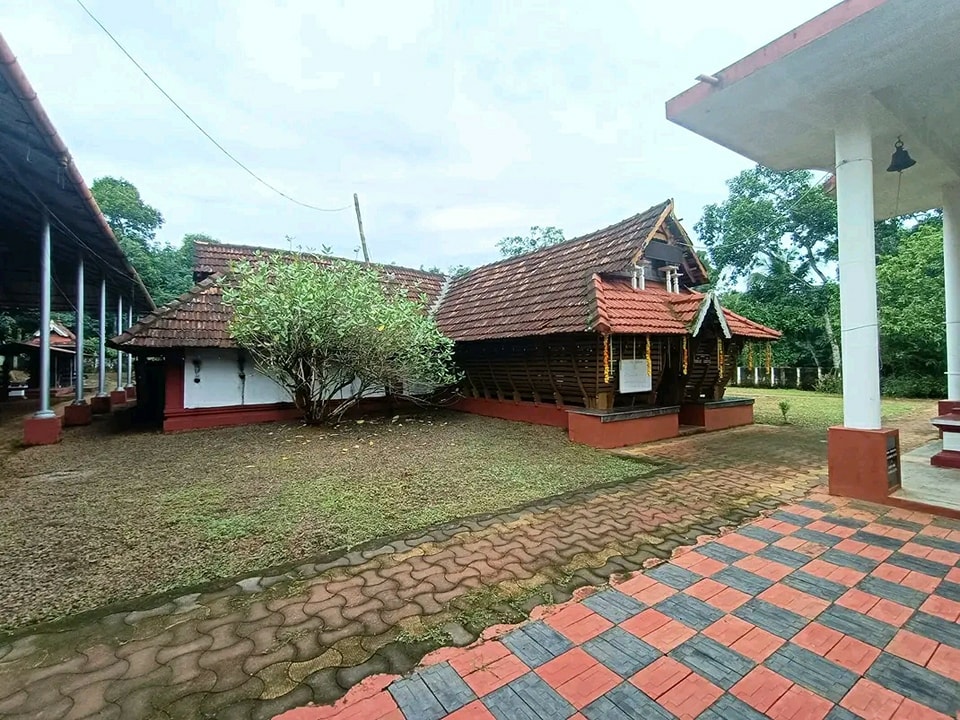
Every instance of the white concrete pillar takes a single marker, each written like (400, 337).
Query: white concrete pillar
(119, 354)
(860, 344)
(739, 369)
(102, 350)
(951, 285)
(798, 378)
(45, 269)
(756, 376)
(78, 381)
(773, 376)
(130, 355)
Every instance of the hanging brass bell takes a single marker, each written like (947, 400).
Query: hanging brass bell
(901, 159)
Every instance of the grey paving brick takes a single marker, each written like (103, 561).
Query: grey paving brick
(898, 523)
(415, 699)
(815, 505)
(690, 611)
(742, 580)
(759, 533)
(792, 518)
(921, 565)
(721, 552)
(873, 632)
(447, 686)
(843, 521)
(892, 591)
(785, 557)
(813, 672)
(625, 702)
(815, 536)
(536, 643)
(949, 590)
(614, 605)
(938, 543)
(729, 707)
(531, 691)
(622, 652)
(780, 622)
(948, 523)
(839, 713)
(883, 541)
(813, 585)
(845, 559)
(917, 683)
(935, 628)
(720, 665)
(673, 575)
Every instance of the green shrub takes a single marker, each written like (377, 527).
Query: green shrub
(831, 383)
(914, 386)
(784, 409)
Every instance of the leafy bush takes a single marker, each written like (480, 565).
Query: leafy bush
(831, 383)
(784, 409)
(914, 386)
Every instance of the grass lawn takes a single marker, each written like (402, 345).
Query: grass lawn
(818, 410)
(104, 517)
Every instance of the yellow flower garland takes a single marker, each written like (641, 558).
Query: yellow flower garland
(750, 357)
(686, 358)
(720, 356)
(606, 359)
(649, 359)
(769, 357)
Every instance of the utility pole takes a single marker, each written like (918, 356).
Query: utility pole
(363, 240)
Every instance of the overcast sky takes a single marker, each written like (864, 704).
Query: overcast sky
(456, 122)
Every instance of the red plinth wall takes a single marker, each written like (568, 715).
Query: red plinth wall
(131, 392)
(41, 431)
(77, 414)
(100, 405)
(591, 430)
(538, 414)
(197, 418)
(118, 398)
(858, 465)
(716, 418)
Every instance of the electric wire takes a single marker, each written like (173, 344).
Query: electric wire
(197, 125)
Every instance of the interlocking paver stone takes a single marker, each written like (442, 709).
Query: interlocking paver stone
(742, 580)
(892, 591)
(537, 643)
(447, 686)
(917, 683)
(935, 628)
(813, 672)
(622, 652)
(815, 536)
(723, 553)
(527, 697)
(614, 605)
(625, 702)
(782, 623)
(674, 576)
(938, 543)
(690, 611)
(792, 518)
(729, 707)
(416, 700)
(784, 557)
(717, 663)
(842, 521)
(761, 534)
(854, 624)
(813, 585)
(949, 590)
(899, 523)
(845, 559)
(921, 565)
(887, 543)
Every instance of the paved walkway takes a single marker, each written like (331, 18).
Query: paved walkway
(824, 609)
(267, 644)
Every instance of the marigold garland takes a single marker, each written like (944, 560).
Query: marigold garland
(750, 356)
(649, 359)
(720, 356)
(769, 357)
(686, 358)
(606, 359)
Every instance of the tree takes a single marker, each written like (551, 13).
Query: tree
(453, 271)
(331, 334)
(779, 224)
(539, 237)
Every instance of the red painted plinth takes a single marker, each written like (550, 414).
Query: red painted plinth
(591, 430)
(118, 398)
(41, 431)
(857, 462)
(198, 418)
(100, 405)
(131, 391)
(716, 418)
(946, 459)
(528, 412)
(77, 414)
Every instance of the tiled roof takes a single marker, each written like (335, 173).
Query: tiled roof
(544, 292)
(198, 318)
(210, 258)
(654, 311)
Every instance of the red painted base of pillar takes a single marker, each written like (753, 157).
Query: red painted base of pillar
(131, 391)
(100, 405)
(716, 418)
(118, 398)
(946, 459)
(591, 430)
(946, 407)
(857, 462)
(41, 431)
(528, 412)
(77, 414)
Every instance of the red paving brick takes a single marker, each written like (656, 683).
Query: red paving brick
(946, 661)
(817, 638)
(495, 675)
(798, 703)
(666, 637)
(853, 654)
(588, 685)
(728, 599)
(871, 701)
(758, 644)
(857, 600)
(705, 589)
(910, 710)
(942, 607)
(645, 622)
(761, 688)
(728, 629)
(474, 711)
(659, 676)
(890, 612)
(690, 697)
(910, 646)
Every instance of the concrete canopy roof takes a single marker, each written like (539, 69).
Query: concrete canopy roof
(895, 61)
(39, 174)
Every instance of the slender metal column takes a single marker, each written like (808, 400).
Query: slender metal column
(951, 281)
(45, 411)
(102, 353)
(78, 382)
(119, 354)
